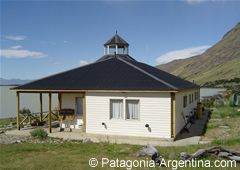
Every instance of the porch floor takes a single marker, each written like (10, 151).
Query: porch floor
(184, 139)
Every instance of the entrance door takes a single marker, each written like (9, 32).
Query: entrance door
(79, 106)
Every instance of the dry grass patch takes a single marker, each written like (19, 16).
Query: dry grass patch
(223, 124)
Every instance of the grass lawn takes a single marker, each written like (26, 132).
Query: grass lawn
(7, 121)
(224, 124)
(76, 156)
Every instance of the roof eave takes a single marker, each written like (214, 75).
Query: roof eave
(116, 43)
(114, 91)
(76, 91)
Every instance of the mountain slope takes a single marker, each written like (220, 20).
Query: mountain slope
(12, 81)
(221, 61)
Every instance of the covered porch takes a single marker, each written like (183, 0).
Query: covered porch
(184, 139)
(41, 116)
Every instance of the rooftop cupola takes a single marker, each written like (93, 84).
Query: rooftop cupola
(116, 45)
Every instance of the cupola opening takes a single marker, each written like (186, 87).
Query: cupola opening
(116, 45)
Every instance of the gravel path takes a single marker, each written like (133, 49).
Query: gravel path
(11, 139)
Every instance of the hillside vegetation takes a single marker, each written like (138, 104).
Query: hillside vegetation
(221, 61)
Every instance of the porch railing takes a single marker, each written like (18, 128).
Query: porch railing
(31, 116)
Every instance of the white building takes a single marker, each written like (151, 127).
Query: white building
(116, 95)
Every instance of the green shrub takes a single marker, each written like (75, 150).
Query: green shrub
(222, 115)
(226, 142)
(230, 101)
(208, 102)
(24, 111)
(219, 103)
(40, 133)
(234, 114)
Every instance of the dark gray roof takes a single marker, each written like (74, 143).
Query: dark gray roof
(123, 56)
(116, 39)
(111, 73)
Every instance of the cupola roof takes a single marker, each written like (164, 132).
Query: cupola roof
(116, 39)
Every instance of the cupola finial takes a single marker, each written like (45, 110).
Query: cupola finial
(116, 31)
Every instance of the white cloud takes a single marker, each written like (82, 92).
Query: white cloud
(48, 42)
(195, 1)
(16, 38)
(82, 63)
(13, 52)
(15, 47)
(60, 63)
(181, 54)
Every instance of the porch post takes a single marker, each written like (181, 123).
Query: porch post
(84, 112)
(49, 112)
(59, 108)
(199, 95)
(173, 124)
(18, 117)
(40, 95)
(59, 101)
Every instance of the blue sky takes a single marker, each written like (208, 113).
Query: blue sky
(40, 38)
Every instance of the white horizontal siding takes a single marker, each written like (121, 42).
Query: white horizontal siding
(155, 110)
(179, 121)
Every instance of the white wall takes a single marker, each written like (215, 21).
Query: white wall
(179, 121)
(155, 110)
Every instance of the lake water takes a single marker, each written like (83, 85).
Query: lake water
(31, 100)
(27, 100)
(210, 91)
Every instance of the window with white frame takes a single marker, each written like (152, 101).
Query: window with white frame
(116, 109)
(184, 101)
(132, 109)
(196, 95)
